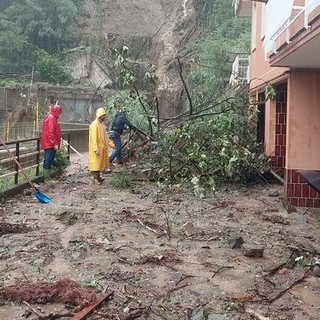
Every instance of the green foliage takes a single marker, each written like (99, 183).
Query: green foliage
(92, 283)
(61, 160)
(133, 108)
(12, 46)
(44, 23)
(227, 36)
(33, 34)
(270, 92)
(50, 69)
(122, 180)
(206, 151)
(150, 75)
(13, 83)
(5, 182)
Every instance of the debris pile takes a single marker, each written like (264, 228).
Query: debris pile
(63, 291)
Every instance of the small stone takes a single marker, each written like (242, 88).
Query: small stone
(316, 270)
(235, 242)
(17, 212)
(251, 251)
(289, 207)
(274, 193)
(302, 219)
(27, 192)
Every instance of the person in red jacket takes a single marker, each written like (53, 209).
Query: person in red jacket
(50, 138)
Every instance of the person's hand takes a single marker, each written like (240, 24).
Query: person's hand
(56, 147)
(97, 153)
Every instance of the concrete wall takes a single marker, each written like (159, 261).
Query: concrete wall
(79, 139)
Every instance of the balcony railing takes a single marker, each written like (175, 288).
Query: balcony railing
(243, 8)
(240, 70)
(311, 5)
(285, 32)
(285, 20)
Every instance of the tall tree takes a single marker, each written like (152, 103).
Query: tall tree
(43, 22)
(225, 36)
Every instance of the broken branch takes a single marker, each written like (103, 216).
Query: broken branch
(281, 293)
(155, 231)
(221, 268)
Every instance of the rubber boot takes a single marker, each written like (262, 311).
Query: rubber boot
(47, 174)
(96, 176)
(99, 178)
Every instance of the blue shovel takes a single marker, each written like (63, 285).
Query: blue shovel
(39, 195)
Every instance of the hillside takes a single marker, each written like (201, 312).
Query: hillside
(155, 32)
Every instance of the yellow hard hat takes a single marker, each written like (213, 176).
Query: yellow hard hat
(100, 112)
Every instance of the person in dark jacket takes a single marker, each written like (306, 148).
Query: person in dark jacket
(119, 123)
(50, 138)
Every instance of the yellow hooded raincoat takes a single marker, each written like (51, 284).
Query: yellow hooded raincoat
(99, 141)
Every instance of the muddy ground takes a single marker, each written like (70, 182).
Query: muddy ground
(165, 255)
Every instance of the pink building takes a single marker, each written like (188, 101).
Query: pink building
(285, 52)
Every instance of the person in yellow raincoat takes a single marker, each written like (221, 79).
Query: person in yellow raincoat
(98, 145)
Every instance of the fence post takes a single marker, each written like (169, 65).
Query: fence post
(8, 130)
(38, 157)
(16, 176)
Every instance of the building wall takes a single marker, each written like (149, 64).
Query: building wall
(270, 127)
(302, 136)
(260, 71)
(278, 157)
(292, 126)
(261, 74)
(303, 120)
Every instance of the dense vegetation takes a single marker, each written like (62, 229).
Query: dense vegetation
(211, 140)
(216, 141)
(34, 34)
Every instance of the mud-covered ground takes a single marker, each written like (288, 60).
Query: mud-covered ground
(165, 255)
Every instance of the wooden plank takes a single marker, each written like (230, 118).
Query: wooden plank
(89, 309)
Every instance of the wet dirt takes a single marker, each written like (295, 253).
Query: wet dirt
(164, 252)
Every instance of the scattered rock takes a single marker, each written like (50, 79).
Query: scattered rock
(68, 218)
(274, 193)
(216, 316)
(289, 207)
(27, 192)
(302, 219)
(276, 219)
(316, 270)
(235, 242)
(251, 251)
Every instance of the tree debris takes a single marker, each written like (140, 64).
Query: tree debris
(62, 291)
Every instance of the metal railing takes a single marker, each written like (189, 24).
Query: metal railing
(30, 156)
(285, 28)
(240, 70)
(311, 5)
(296, 12)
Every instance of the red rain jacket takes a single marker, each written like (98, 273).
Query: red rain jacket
(51, 133)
